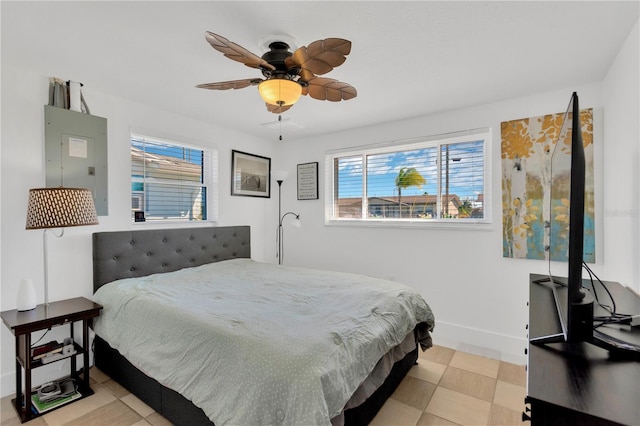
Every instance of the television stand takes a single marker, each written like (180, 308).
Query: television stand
(583, 330)
(577, 382)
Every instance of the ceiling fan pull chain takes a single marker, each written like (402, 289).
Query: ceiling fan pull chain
(281, 104)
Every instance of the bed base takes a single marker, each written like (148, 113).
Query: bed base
(365, 412)
(180, 411)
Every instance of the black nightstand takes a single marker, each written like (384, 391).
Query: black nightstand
(22, 324)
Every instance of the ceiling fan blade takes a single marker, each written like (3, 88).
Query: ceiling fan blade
(336, 44)
(277, 109)
(321, 56)
(333, 51)
(306, 75)
(233, 84)
(236, 52)
(328, 89)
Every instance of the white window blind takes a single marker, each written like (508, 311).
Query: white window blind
(171, 181)
(427, 180)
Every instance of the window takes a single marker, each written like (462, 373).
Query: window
(171, 181)
(439, 179)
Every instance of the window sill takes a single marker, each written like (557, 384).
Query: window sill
(466, 225)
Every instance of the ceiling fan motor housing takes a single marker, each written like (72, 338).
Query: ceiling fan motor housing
(276, 56)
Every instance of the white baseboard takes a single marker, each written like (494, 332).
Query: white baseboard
(481, 342)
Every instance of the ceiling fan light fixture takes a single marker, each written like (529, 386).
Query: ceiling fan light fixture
(280, 91)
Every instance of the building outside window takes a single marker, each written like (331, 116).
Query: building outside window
(171, 181)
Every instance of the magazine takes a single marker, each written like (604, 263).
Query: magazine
(65, 391)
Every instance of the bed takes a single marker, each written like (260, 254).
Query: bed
(203, 334)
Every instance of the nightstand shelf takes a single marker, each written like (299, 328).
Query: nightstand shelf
(39, 362)
(22, 324)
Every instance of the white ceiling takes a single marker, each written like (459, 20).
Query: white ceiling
(407, 59)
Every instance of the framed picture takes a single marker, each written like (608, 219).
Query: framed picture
(308, 181)
(250, 175)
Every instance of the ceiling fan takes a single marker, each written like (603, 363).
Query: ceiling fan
(288, 75)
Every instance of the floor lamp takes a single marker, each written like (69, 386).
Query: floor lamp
(61, 207)
(280, 177)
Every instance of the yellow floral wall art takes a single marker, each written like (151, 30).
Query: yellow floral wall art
(535, 196)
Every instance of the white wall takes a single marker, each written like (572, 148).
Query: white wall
(24, 94)
(622, 157)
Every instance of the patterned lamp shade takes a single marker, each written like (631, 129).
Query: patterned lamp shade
(60, 208)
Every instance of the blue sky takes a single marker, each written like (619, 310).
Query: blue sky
(465, 172)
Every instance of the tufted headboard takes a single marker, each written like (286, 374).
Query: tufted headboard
(127, 254)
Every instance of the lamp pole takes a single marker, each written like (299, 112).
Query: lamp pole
(280, 235)
(279, 254)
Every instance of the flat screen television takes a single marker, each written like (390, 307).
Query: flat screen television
(567, 208)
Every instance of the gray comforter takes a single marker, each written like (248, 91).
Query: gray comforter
(256, 344)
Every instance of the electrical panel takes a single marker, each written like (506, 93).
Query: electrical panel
(76, 153)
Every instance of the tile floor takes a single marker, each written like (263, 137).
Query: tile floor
(447, 387)
(450, 387)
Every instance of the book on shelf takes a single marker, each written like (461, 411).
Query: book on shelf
(41, 351)
(42, 407)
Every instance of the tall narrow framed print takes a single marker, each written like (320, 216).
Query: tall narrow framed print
(250, 175)
(308, 181)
